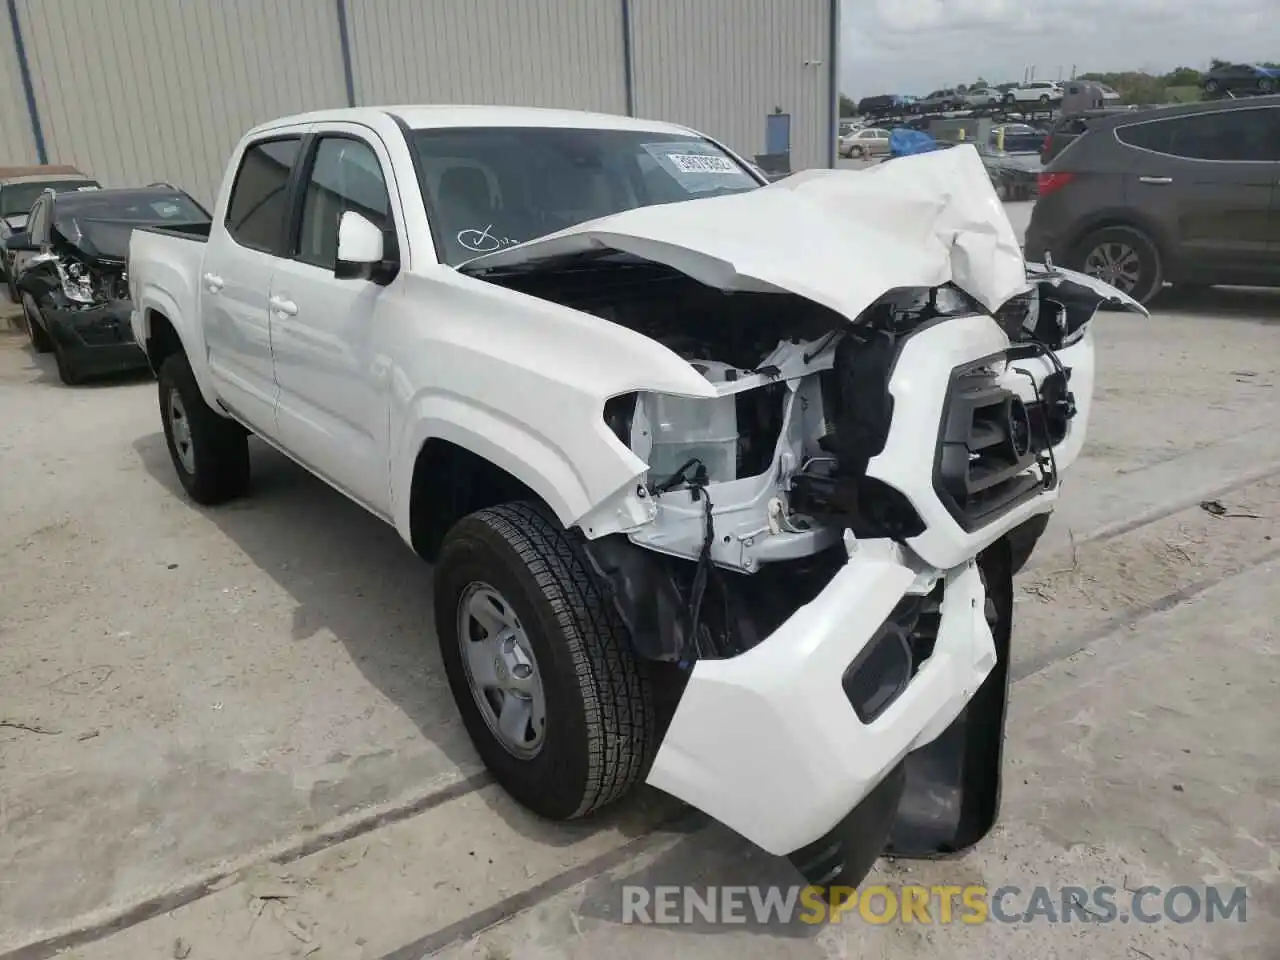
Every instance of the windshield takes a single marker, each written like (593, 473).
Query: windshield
(17, 198)
(123, 206)
(489, 188)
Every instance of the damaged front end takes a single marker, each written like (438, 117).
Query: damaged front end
(82, 293)
(829, 538)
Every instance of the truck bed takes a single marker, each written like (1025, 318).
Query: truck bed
(165, 263)
(195, 230)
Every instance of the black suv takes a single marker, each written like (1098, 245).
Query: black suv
(1187, 194)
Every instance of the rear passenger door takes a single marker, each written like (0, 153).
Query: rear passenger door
(235, 279)
(1209, 178)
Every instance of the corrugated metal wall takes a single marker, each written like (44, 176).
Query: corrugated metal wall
(722, 65)
(17, 144)
(139, 90)
(548, 53)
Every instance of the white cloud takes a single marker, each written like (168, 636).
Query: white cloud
(904, 15)
(913, 46)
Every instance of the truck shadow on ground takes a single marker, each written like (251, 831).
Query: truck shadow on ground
(350, 574)
(1259, 305)
(714, 882)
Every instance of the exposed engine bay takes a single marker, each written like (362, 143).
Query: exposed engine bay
(89, 275)
(757, 489)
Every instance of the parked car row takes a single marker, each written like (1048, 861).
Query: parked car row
(65, 261)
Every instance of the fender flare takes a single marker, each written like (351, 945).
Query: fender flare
(507, 443)
(154, 299)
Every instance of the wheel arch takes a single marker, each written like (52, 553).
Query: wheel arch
(450, 480)
(160, 338)
(1129, 220)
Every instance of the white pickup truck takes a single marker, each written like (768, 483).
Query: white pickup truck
(724, 483)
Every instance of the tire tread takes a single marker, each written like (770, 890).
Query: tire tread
(615, 687)
(221, 445)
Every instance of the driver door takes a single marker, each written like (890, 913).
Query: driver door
(331, 367)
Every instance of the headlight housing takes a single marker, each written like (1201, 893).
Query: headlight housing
(76, 285)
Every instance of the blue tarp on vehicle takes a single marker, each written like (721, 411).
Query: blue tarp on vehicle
(903, 142)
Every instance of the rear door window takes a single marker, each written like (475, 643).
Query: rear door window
(258, 208)
(1225, 136)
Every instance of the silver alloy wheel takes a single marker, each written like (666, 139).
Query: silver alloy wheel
(501, 670)
(180, 428)
(1115, 263)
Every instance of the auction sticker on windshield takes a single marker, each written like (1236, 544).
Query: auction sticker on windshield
(699, 167)
(694, 163)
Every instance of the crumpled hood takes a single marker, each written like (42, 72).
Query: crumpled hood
(841, 238)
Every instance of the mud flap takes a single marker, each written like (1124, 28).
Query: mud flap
(951, 794)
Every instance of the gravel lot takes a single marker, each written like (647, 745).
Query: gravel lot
(184, 693)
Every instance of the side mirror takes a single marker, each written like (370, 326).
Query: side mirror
(20, 241)
(362, 251)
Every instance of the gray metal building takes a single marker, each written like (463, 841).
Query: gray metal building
(134, 91)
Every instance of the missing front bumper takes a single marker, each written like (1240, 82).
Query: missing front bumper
(769, 742)
(943, 797)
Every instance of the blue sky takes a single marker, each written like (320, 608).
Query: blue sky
(914, 46)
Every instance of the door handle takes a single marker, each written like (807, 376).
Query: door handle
(1156, 180)
(212, 282)
(287, 307)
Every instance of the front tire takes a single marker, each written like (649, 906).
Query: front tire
(67, 371)
(1124, 257)
(210, 453)
(524, 627)
(36, 333)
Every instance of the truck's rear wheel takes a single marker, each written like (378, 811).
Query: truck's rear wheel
(210, 453)
(540, 664)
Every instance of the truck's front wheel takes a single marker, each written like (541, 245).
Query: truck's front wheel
(540, 665)
(210, 453)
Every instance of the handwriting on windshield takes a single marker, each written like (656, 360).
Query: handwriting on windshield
(483, 241)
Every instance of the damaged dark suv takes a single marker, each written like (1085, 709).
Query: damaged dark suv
(70, 266)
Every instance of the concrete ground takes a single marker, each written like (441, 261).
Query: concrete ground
(186, 694)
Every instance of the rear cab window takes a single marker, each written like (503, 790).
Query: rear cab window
(257, 210)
